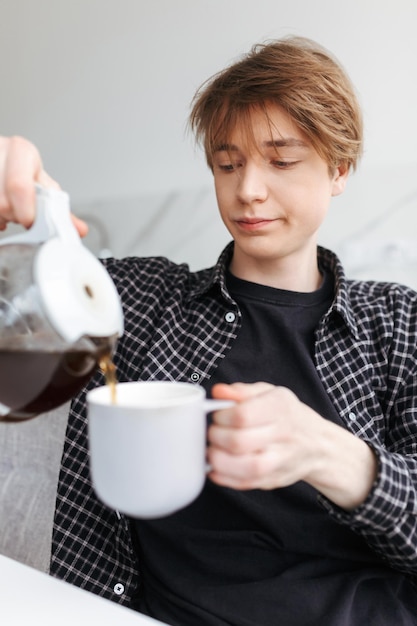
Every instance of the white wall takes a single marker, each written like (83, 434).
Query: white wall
(103, 87)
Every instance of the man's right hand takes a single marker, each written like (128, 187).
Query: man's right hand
(20, 168)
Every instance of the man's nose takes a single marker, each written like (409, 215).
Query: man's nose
(252, 185)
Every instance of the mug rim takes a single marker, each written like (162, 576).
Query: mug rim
(191, 393)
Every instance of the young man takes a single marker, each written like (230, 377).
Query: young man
(309, 513)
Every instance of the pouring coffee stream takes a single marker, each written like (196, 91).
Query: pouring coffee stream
(60, 313)
(110, 375)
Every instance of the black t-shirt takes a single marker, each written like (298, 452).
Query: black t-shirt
(265, 558)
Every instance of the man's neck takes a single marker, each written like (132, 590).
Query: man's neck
(292, 274)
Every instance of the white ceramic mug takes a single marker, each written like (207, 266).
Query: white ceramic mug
(148, 451)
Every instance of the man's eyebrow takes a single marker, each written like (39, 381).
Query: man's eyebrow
(285, 142)
(225, 147)
(282, 142)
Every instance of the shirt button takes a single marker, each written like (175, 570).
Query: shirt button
(352, 416)
(118, 589)
(195, 376)
(230, 316)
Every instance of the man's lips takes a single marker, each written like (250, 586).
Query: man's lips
(254, 223)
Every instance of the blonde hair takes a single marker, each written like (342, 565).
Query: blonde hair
(299, 76)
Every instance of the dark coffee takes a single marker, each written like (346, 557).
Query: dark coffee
(35, 381)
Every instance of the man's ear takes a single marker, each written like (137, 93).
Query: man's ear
(339, 180)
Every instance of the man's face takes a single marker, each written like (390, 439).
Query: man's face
(273, 197)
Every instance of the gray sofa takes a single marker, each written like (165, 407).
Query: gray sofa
(30, 454)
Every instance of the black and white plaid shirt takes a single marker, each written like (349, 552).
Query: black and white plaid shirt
(178, 326)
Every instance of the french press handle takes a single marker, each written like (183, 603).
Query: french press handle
(52, 219)
(77, 294)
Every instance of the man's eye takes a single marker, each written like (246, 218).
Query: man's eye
(283, 164)
(227, 167)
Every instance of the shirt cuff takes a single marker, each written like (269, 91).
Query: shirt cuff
(392, 496)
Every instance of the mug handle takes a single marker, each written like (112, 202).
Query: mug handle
(211, 404)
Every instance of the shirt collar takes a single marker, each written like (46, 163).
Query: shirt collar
(341, 303)
(215, 278)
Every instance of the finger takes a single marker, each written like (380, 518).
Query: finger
(239, 391)
(241, 441)
(22, 167)
(239, 484)
(250, 471)
(253, 412)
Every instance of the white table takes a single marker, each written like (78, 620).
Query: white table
(28, 596)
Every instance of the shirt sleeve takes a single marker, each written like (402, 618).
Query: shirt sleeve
(387, 519)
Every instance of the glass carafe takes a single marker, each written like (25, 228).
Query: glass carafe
(60, 312)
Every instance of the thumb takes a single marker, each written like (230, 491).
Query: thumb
(80, 225)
